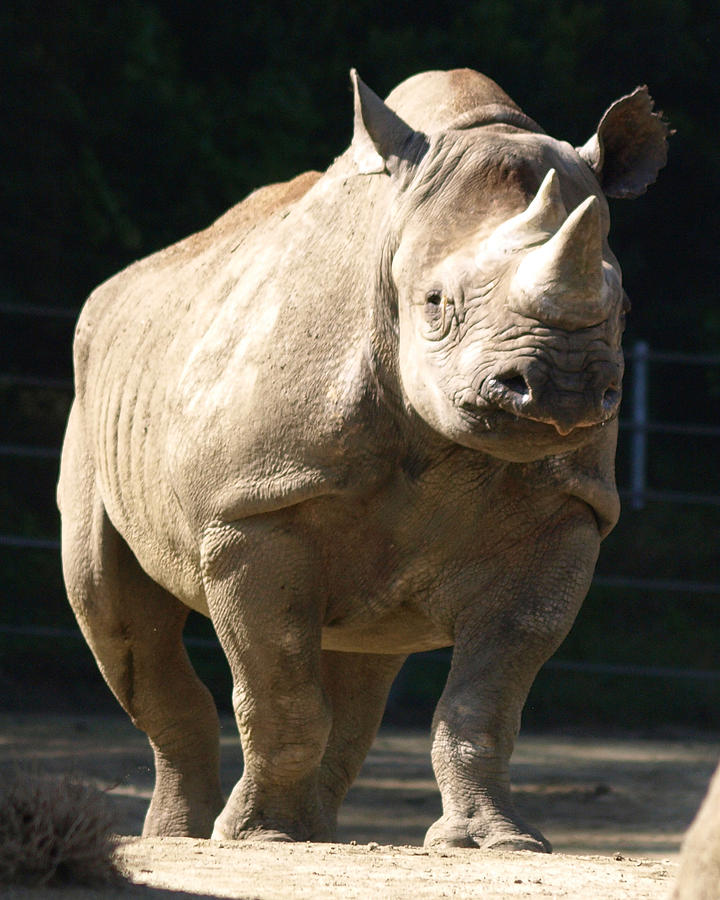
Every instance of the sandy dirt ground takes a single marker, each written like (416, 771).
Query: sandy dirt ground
(615, 810)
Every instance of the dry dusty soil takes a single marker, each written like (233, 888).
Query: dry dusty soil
(614, 809)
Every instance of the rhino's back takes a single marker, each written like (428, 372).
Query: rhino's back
(251, 212)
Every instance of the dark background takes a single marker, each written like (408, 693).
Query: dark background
(126, 126)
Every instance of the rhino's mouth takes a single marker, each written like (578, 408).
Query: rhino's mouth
(519, 438)
(494, 419)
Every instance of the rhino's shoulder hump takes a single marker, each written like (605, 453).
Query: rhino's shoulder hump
(241, 219)
(258, 206)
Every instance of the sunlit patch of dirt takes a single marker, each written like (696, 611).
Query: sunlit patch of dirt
(614, 809)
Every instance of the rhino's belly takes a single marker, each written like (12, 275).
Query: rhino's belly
(402, 631)
(165, 554)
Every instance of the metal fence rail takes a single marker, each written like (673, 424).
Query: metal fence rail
(25, 451)
(638, 492)
(19, 542)
(558, 665)
(51, 312)
(30, 381)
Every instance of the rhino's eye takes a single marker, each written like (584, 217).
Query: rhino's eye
(438, 312)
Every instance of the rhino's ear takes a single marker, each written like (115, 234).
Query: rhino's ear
(629, 147)
(381, 142)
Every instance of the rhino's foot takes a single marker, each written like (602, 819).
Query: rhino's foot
(503, 834)
(261, 834)
(182, 813)
(258, 835)
(247, 818)
(178, 821)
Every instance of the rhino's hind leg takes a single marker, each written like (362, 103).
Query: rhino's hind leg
(357, 685)
(263, 585)
(134, 629)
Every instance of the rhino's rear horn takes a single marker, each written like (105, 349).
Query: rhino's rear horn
(560, 283)
(543, 217)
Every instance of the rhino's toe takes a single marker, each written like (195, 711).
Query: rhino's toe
(516, 842)
(461, 833)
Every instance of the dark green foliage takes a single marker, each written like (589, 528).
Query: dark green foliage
(126, 126)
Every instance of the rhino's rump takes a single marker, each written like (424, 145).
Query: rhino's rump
(218, 377)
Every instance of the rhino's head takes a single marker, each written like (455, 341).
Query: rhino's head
(510, 301)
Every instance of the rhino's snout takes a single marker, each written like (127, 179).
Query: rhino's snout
(564, 401)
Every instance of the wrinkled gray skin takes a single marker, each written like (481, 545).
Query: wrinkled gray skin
(699, 875)
(365, 413)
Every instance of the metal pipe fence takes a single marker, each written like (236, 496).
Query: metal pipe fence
(641, 427)
(558, 665)
(638, 492)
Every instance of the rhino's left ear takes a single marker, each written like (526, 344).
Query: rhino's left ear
(382, 141)
(629, 147)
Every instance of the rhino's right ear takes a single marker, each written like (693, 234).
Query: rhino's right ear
(629, 147)
(382, 141)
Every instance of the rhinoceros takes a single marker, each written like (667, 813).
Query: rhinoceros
(365, 413)
(699, 874)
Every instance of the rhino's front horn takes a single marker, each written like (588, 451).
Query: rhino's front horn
(561, 282)
(533, 225)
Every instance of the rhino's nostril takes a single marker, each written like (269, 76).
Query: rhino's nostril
(611, 398)
(516, 384)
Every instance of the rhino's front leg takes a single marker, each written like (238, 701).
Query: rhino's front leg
(499, 648)
(262, 588)
(474, 731)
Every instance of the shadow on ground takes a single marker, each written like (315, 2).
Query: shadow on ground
(589, 796)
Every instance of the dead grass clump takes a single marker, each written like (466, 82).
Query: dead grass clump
(54, 831)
